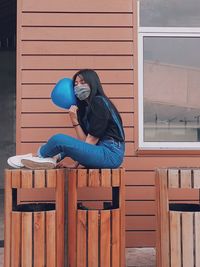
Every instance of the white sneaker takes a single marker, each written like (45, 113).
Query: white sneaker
(37, 163)
(15, 161)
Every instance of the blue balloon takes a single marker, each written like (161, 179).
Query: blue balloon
(63, 94)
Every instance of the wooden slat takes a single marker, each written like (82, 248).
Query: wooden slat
(39, 178)
(48, 76)
(186, 178)
(60, 211)
(61, 120)
(73, 48)
(51, 178)
(44, 90)
(140, 223)
(27, 239)
(26, 179)
(105, 177)
(61, 62)
(82, 177)
(72, 34)
(116, 238)
(93, 178)
(105, 220)
(16, 239)
(197, 237)
(46, 105)
(116, 177)
(173, 178)
(196, 175)
(51, 238)
(140, 207)
(187, 239)
(140, 178)
(175, 239)
(70, 6)
(43, 134)
(16, 178)
(81, 238)
(7, 218)
(39, 239)
(93, 239)
(72, 206)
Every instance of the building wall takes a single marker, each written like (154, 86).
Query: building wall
(57, 38)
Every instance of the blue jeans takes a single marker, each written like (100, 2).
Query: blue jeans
(107, 153)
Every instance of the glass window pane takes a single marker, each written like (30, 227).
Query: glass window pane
(172, 13)
(171, 89)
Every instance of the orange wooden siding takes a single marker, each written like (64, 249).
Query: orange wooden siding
(57, 38)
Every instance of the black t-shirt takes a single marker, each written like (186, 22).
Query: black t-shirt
(98, 121)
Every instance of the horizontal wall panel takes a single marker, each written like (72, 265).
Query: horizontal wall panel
(140, 178)
(62, 120)
(82, 19)
(140, 239)
(47, 76)
(140, 207)
(72, 34)
(74, 62)
(46, 105)
(140, 223)
(42, 134)
(80, 6)
(33, 147)
(151, 163)
(73, 48)
(44, 91)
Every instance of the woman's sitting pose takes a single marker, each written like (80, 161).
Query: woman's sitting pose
(98, 126)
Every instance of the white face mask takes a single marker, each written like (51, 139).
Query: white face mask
(82, 92)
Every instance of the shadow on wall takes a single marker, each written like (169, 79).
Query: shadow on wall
(7, 108)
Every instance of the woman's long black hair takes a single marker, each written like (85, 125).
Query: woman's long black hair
(92, 79)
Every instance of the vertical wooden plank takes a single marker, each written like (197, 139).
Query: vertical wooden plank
(115, 177)
(196, 175)
(27, 178)
(162, 235)
(16, 240)
(186, 178)
(16, 178)
(105, 177)
(173, 178)
(197, 237)
(51, 238)
(60, 209)
(39, 239)
(175, 239)
(39, 178)
(72, 207)
(93, 177)
(122, 216)
(81, 238)
(82, 177)
(116, 238)
(7, 216)
(93, 241)
(105, 238)
(51, 178)
(187, 239)
(27, 239)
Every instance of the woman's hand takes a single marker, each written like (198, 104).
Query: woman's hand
(73, 114)
(62, 164)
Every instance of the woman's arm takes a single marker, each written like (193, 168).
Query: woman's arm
(73, 116)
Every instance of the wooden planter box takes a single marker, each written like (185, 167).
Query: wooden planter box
(178, 225)
(34, 233)
(96, 238)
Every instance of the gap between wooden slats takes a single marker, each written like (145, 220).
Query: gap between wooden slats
(71, 19)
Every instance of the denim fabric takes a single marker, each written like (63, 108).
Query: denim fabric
(105, 154)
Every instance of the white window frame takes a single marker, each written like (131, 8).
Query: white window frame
(159, 32)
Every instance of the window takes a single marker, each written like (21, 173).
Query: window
(169, 74)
